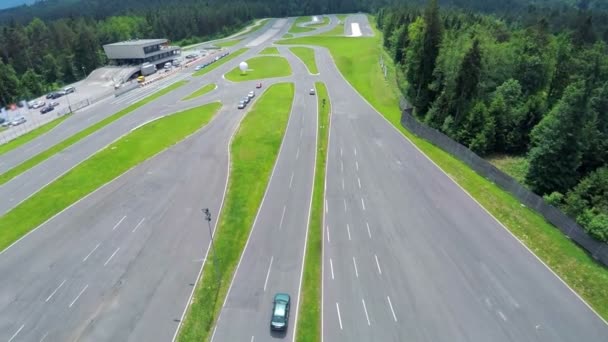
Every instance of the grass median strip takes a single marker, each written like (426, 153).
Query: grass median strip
(101, 168)
(261, 67)
(228, 43)
(200, 92)
(271, 50)
(228, 58)
(253, 154)
(31, 135)
(42, 156)
(307, 56)
(309, 319)
(588, 278)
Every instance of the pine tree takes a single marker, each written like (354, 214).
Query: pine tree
(467, 80)
(430, 50)
(9, 84)
(32, 84)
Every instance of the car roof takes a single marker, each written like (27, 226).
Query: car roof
(281, 297)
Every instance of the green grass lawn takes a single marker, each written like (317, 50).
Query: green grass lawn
(31, 135)
(322, 23)
(101, 168)
(271, 50)
(287, 35)
(202, 91)
(309, 319)
(357, 60)
(514, 166)
(307, 55)
(228, 58)
(253, 154)
(227, 43)
(300, 20)
(339, 29)
(51, 151)
(261, 67)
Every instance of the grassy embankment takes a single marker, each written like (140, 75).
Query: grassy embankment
(514, 166)
(200, 92)
(253, 153)
(309, 322)
(357, 60)
(101, 168)
(227, 43)
(31, 135)
(306, 55)
(215, 65)
(261, 67)
(338, 30)
(51, 151)
(297, 29)
(271, 50)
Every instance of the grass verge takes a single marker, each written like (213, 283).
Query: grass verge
(300, 20)
(101, 168)
(514, 166)
(215, 65)
(261, 67)
(228, 43)
(42, 156)
(253, 154)
(271, 50)
(577, 268)
(307, 56)
(322, 23)
(309, 319)
(339, 29)
(202, 91)
(31, 135)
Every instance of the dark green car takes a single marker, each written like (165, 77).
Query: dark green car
(280, 312)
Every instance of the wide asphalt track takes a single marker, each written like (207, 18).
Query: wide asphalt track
(121, 264)
(409, 256)
(272, 260)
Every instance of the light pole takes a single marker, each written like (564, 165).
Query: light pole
(208, 219)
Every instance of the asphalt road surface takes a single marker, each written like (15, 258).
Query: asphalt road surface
(408, 256)
(360, 21)
(272, 260)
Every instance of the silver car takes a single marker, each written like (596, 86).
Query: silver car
(18, 121)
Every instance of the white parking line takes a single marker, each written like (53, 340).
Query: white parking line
(359, 181)
(356, 271)
(378, 264)
(291, 180)
(111, 256)
(57, 289)
(348, 230)
(282, 217)
(79, 294)
(339, 318)
(17, 333)
(268, 273)
(88, 255)
(362, 203)
(139, 224)
(369, 233)
(357, 165)
(328, 233)
(331, 266)
(391, 306)
(365, 309)
(119, 222)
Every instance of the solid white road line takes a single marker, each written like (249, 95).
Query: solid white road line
(79, 294)
(391, 306)
(111, 256)
(57, 289)
(357, 165)
(282, 217)
(348, 230)
(378, 264)
(88, 255)
(17, 333)
(345, 204)
(359, 181)
(365, 309)
(362, 203)
(331, 266)
(119, 222)
(139, 224)
(356, 271)
(328, 234)
(339, 317)
(268, 273)
(369, 233)
(291, 180)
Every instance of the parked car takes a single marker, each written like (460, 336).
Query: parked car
(246, 99)
(49, 96)
(251, 94)
(312, 91)
(38, 104)
(6, 123)
(46, 109)
(18, 121)
(280, 312)
(242, 104)
(54, 104)
(198, 67)
(69, 90)
(258, 85)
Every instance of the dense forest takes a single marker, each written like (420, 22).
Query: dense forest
(536, 85)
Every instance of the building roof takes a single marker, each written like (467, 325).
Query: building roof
(138, 42)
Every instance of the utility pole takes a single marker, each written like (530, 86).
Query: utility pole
(215, 265)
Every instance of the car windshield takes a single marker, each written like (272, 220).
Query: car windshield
(279, 309)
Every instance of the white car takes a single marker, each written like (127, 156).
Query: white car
(18, 121)
(38, 104)
(251, 94)
(198, 67)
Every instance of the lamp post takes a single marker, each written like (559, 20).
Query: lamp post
(208, 219)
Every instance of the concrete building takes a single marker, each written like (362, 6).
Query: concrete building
(140, 51)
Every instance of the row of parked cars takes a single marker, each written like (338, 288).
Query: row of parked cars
(217, 58)
(245, 100)
(15, 122)
(60, 93)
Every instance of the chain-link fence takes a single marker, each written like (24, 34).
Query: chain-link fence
(567, 225)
